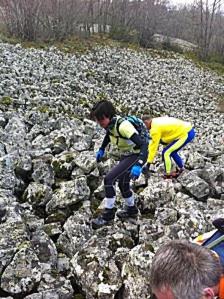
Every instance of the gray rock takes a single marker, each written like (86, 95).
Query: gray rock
(95, 267)
(37, 194)
(68, 194)
(86, 161)
(136, 284)
(45, 250)
(53, 229)
(43, 172)
(15, 134)
(63, 264)
(23, 273)
(23, 166)
(64, 164)
(77, 230)
(166, 216)
(213, 204)
(7, 174)
(13, 234)
(55, 286)
(159, 40)
(194, 185)
(156, 194)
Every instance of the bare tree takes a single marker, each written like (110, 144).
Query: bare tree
(207, 14)
(21, 17)
(151, 16)
(217, 43)
(131, 20)
(45, 19)
(59, 18)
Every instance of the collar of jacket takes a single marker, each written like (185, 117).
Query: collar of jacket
(112, 124)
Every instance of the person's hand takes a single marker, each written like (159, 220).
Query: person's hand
(136, 170)
(146, 169)
(100, 154)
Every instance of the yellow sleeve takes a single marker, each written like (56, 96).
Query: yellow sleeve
(126, 129)
(153, 145)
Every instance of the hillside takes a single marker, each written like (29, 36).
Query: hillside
(51, 185)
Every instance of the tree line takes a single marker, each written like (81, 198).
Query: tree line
(130, 20)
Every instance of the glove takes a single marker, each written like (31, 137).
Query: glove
(100, 154)
(145, 169)
(135, 172)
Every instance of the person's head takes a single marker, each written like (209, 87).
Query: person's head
(183, 270)
(147, 119)
(102, 112)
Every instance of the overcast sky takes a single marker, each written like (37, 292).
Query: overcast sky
(181, 1)
(190, 2)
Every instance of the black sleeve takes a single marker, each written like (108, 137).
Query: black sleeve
(143, 145)
(106, 141)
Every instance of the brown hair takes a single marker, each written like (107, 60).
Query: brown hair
(146, 117)
(185, 268)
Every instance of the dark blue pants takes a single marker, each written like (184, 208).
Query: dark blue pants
(120, 173)
(171, 150)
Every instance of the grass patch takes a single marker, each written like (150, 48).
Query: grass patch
(82, 45)
(6, 101)
(214, 63)
(73, 45)
(220, 103)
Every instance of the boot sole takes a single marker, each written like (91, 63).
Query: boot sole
(97, 226)
(128, 217)
(130, 220)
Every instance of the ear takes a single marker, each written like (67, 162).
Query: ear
(208, 293)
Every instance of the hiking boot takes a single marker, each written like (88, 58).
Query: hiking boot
(167, 176)
(105, 218)
(180, 171)
(128, 212)
(173, 174)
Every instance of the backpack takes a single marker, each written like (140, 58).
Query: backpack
(137, 123)
(214, 239)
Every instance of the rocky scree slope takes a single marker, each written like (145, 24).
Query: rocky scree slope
(50, 184)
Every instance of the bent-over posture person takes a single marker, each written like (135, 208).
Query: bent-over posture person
(174, 134)
(183, 270)
(133, 149)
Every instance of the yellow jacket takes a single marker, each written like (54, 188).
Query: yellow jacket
(165, 129)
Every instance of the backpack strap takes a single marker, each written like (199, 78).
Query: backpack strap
(118, 123)
(215, 242)
(115, 123)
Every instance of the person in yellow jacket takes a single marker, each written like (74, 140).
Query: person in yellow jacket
(174, 134)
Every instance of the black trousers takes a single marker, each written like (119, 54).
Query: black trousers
(120, 173)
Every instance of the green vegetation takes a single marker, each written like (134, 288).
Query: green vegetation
(79, 296)
(6, 101)
(220, 104)
(221, 98)
(214, 63)
(78, 45)
(43, 109)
